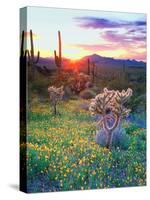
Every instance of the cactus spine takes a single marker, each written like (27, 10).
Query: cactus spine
(58, 58)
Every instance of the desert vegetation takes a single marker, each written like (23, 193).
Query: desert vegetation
(86, 124)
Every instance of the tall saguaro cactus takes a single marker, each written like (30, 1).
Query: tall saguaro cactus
(93, 71)
(89, 71)
(31, 58)
(124, 71)
(58, 58)
(23, 53)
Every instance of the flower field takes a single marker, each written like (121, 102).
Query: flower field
(62, 153)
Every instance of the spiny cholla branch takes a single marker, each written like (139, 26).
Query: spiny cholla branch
(120, 99)
(55, 95)
(110, 105)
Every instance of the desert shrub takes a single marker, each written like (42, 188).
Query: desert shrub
(131, 128)
(96, 89)
(119, 84)
(142, 135)
(84, 106)
(89, 84)
(87, 94)
(79, 82)
(61, 78)
(119, 138)
(137, 103)
(74, 97)
(67, 93)
(39, 85)
(137, 144)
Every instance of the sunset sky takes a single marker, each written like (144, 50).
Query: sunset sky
(84, 32)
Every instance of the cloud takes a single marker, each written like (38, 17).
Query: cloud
(114, 36)
(135, 55)
(135, 30)
(103, 23)
(91, 47)
(124, 36)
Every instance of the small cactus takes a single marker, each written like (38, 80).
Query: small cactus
(110, 105)
(55, 95)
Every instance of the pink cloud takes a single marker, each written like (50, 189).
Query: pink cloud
(92, 47)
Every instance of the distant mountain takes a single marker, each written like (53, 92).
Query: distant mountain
(107, 61)
(100, 61)
(97, 58)
(48, 62)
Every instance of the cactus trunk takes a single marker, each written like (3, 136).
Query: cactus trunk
(32, 46)
(22, 45)
(31, 58)
(109, 139)
(88, 66)
(58, 58)
(60, 50)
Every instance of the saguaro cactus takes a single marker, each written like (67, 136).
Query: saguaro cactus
(125, 76)
(93, 71)
(23, 53)
(110, 105)
(88, 62)
(58, 58)
(31, 58)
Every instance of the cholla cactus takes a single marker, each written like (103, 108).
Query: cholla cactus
(79, 82)
(110, 105)
(55, 95)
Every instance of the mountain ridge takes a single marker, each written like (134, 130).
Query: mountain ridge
(98, 59)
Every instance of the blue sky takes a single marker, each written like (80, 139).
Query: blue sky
(84, 32)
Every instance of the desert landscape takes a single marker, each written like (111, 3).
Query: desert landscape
(86, 115)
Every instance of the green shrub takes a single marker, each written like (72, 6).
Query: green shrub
(131, 128)
(87, 94)
(120, 138)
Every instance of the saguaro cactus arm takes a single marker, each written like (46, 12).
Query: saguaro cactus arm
(31, 57)
(58, 58)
